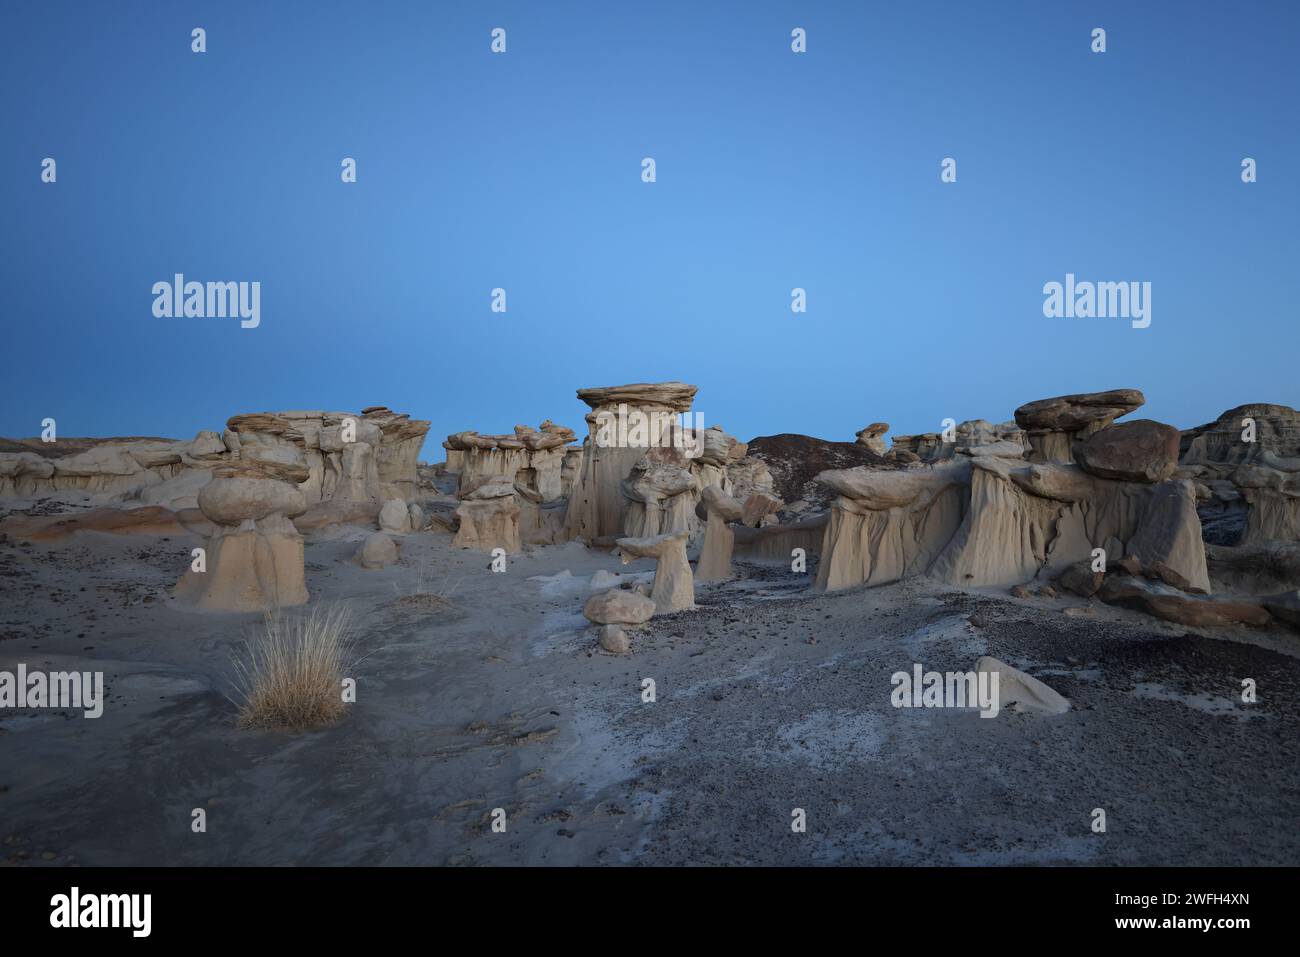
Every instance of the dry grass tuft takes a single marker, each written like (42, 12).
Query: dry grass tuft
(290, 675)
(423, 594)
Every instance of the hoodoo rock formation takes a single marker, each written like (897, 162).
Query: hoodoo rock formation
(623, 424)
(535, 458)
(1200, 527)
(988, 517)
(254, 559)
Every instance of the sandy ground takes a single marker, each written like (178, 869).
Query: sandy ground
(768, 698)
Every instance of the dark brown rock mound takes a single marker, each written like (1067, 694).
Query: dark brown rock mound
(795, 460)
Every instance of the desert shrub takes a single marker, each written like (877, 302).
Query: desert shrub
(289, 675)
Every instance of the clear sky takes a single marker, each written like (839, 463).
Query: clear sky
(522, 171)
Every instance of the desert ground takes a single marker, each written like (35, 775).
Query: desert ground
(479, 690)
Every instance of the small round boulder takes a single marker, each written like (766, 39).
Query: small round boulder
(618, 606)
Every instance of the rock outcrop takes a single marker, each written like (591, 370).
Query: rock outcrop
(870, 438)
(1240, 435)
(534, 458)
(932, 447)
(343, 460)
(988, 518)
(489, 517)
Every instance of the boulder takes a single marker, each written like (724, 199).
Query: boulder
(1163, 601)
(1139, 451)
(1285, 607)
(377, 551)
(619, 606)
(395, 517)
(758, 506)
(1080, 579)
(614, 640)
(240, 493)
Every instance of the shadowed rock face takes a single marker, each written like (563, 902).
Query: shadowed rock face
(795, 461)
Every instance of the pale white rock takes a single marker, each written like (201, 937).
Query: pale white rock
(1022, 692)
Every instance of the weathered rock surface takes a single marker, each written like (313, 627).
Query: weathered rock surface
(972, 437)
(304, 448)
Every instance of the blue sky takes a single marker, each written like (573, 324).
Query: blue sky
(522, 171)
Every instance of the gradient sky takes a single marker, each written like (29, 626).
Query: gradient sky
(522, 171)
